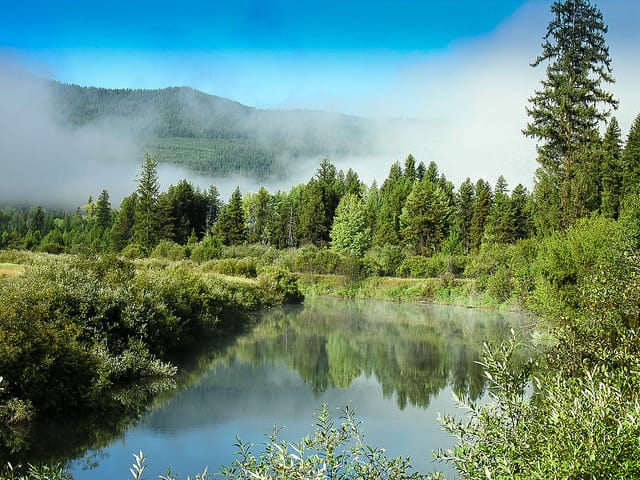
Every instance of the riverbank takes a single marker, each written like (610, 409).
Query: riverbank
(78, 331)
(443, 290)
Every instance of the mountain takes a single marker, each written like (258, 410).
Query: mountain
(213, 135)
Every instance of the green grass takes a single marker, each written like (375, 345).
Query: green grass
(10, 269)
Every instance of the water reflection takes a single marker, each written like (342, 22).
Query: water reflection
(396, 364)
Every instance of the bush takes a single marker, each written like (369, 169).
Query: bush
(333, 451)
(575, 427)
(133, 251)
(245, 267)
(383, 261)
(169, 250)
(209, 248)
(418, 266)
(280, 284)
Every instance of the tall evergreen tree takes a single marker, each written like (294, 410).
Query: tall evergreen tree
(231, 222)
(425, 217)
(103, 210)
(522, 204)
(500, 222)
(259, 212)
(123, 228)
(214, 205)
(611, 171)
(147, 219)
(566, 112)
(465, 205)
(481, 210)
(631, 161)
(312, 226)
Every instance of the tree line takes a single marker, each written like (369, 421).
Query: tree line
(416, 207)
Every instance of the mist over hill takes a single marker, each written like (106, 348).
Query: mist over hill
(214, 136)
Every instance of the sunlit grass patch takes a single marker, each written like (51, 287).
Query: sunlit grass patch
(10, 269)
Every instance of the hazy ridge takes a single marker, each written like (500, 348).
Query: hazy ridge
(212, 135)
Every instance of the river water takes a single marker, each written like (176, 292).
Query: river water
(396, 365)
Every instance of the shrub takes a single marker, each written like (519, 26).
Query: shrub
(133, 251)
(169, 250)
(245, 267)
(280, 284)
(418, 266)
(383, 260)
(209, 248)
(335, 450)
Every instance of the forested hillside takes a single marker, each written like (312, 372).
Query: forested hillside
(212, 135)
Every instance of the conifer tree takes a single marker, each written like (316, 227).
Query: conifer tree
(425, 217)
(481, 209)
(522, 204)
(500, 222)
(259, 213)
(631, 161)
(465, 204)
(231, 222)
(103, 210)
(611, 171)
(312, 227)
(123, 228)
(566, 112)
(147, 220)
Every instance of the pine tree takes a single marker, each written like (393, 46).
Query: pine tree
(566, 112)
(312, 226)
(522, 204)
(147, 221)
(631, 161)
(212, 198)
(465, 203)
(481, 210)
(260, 211)
(231, 222)
(500, 222)
(103, 211)
(610, 172)
(123, 228)
(425, 217)
(410, 172)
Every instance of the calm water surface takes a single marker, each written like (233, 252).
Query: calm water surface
(397, 365)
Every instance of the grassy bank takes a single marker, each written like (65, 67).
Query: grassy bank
(76, 331)
(445, 290)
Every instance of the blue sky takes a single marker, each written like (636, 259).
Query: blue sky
(461, 66)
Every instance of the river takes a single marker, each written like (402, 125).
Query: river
(396, 365)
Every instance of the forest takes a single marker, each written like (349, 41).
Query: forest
(212, 135)
(568, 251)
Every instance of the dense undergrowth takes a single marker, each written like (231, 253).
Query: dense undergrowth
(77, 331)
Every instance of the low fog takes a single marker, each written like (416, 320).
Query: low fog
(47, 161)
(463, 108)
(44, 162)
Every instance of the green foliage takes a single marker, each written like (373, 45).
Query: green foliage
(336, 450)
(245, 267)
(349, 233)
(280, 284)
(423, 267)
(169, 250)
(631, 161)
(209, 248)
(230, 226)
(74, 331)
(576, 427)
(384, 260)
(566, 112)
